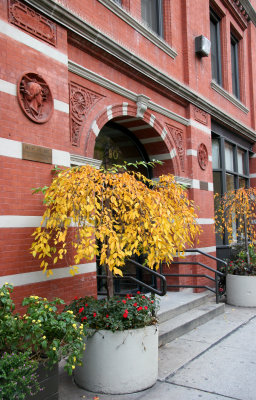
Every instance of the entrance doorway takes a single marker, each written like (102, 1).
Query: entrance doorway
(115, 145)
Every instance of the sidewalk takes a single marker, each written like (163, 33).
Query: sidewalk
(216, 361)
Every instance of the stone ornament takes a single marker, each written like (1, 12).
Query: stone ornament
(202, 156)
(200, 116)
(35, 97)
(32, 22)
(177, 135)
(142, 105)
(81, 101)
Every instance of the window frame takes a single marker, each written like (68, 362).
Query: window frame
(234, 47)
(223, 171)
(216, 65)
(159, 15)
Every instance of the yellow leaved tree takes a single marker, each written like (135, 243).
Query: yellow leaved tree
(235, 215)
(114, 214)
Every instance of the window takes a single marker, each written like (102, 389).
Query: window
(152, 14)
(215, 47)
(235, 67)
(118, 2)
(230, 164)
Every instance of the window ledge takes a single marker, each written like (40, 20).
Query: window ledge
(229, 97)
(139, 26)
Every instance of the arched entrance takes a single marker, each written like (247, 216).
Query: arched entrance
(114, 145)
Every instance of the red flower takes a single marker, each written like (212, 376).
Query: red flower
(143, 297)
(139, 308)
(81, 309)
(124, 301)
(146, 307)
(125, 314)
(107, 316)
(76, 298)
(128, 296)
(135, 304)
(152, 301)
(138, 292)
(84, 319)
(94, 314)
(86, 305)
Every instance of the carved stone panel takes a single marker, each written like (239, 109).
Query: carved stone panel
(177, 135)
(202, 156)
(32, 22)
(81, 101)
(200, 116)
(35, 97)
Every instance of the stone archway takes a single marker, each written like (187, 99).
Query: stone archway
(158, 141)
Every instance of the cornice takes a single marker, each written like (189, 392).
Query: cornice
(238, 12)
(191, 96)
(114, 87)
(76, 24)
(246, 4)
(229, 97)
(139, 27)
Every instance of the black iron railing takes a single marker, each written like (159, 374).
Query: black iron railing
(217, 274)
(141, 283)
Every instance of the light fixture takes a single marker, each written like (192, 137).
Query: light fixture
(203, 46)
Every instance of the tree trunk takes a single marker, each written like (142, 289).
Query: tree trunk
(246, 241)
(110, 283)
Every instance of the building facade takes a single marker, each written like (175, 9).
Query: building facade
(89, 81)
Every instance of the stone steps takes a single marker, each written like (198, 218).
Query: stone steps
(181, 312)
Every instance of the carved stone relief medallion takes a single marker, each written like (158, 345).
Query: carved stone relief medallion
(35, 97)
(202, 156)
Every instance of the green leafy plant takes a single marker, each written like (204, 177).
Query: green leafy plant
(43, 334)
(115, 313)
(18, 376)
(52, 333)
(238, 264)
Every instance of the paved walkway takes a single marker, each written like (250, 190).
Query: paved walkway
(216, 361)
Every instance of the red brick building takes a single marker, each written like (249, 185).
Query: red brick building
(135, 79)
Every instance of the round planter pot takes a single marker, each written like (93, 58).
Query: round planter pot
(241, 290)
(120, 362)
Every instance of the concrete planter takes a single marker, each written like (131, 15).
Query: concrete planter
(119, 362)
(241, 290)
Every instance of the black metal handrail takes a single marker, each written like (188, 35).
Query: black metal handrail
(163, 283)
(217, 273)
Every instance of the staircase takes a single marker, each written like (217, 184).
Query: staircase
(180, 312)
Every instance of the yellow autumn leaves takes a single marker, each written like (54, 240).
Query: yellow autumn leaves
(236, 213)
(113, 216)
